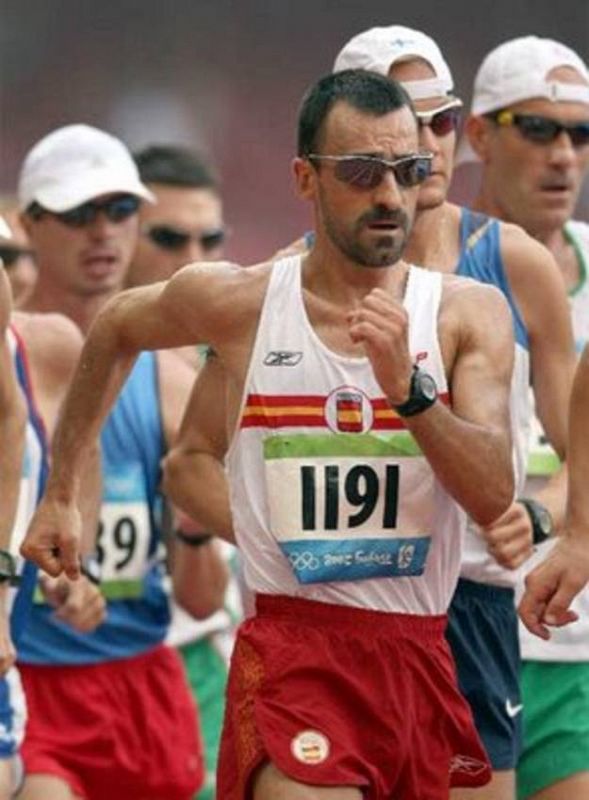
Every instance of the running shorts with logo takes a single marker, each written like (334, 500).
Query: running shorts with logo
(341, 696)
(113, 731)
(482, 629)
(487, 662)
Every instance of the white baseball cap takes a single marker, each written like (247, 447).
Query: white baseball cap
(74, 164)
(517, 70)
(378, 49)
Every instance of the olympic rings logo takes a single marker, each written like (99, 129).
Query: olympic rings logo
(304, 560)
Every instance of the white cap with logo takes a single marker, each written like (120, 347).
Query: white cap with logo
(75, 164)
(378, 49)
(518, 70)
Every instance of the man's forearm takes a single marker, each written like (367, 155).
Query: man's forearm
(196, 483)
(12, 439)
(99, 377)
(471, 461)
(577, 514)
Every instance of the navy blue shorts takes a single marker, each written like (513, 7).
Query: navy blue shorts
(483, 634)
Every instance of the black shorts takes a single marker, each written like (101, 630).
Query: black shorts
(483, 634)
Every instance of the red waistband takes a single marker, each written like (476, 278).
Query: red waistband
(312, 612)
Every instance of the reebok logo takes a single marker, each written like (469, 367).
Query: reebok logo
(283, 358)
(513, 711)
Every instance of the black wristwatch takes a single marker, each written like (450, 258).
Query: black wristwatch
(8, 572)
(423, 393)
(542, 525)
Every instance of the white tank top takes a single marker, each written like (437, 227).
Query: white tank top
(332, 499)
(30, 483)
(570, 643)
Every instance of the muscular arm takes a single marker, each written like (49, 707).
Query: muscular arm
(199, 574)
(552, 586)
(13, 416)
(194, 477)
(540, 295)
(196, 305)
(468, 446)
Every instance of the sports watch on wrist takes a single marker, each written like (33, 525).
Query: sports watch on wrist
(540, 517)
(423, 393)
(8, 572)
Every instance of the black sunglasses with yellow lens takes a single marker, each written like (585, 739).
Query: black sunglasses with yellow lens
(542, 130)
(168, 237)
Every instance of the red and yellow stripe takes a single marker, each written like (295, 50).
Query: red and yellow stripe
(308, 411)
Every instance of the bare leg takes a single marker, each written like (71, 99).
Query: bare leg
(271, 784)
(502, 787)
(5, 779)
(575, 786)
(46, 787)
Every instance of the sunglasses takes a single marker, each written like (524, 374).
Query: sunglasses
(443, 120)
(542, 130)
(116, 209)
(366, 172)
(169, 238)
(9, 255)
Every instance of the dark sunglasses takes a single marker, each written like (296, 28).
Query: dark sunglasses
(9, 255)
(116, 209)
(170, 238)
(442, 121)
(366, 172)
(542, 130)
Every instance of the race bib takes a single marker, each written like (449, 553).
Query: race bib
(334, 507)
(124, 532)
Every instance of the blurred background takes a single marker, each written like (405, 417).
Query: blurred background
(226, 76)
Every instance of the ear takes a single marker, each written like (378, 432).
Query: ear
(478, 131)
(304, 174)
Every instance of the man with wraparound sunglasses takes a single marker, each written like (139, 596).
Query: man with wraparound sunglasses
(186, 222)
(529, 126)
(110, 713)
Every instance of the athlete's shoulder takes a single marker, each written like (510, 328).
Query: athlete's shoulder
(468, 296)
(52, 341)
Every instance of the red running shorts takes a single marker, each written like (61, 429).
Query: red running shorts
(339, 696)
(115, 731)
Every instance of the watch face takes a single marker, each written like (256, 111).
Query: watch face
(545, 522)
(427, 386)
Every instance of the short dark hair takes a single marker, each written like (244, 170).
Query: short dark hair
(175, 166)
(363, 90)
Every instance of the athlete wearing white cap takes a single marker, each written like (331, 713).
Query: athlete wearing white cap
(529, 126)
(482, 622)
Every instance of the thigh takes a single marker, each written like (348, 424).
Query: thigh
(501, 787)
(575, 786)
(46, 787)
(269, 783)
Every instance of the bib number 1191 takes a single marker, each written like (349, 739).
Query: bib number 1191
(360, 486)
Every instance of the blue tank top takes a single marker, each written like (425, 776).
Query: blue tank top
(129, 539)
(34, 475)
(480, 258)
